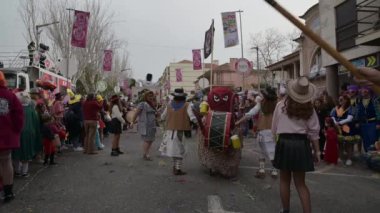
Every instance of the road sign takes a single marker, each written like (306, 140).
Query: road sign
(243, 65)
(203, 83)
(371, 61)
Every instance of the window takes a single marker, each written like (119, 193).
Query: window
(346, 25)
(11, 80)
(21, 83)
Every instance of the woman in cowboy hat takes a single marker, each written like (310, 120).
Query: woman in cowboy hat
(296, 124)
(178, 115)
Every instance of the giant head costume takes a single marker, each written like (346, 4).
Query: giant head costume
(221, 99)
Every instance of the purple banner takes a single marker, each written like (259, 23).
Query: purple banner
(107, 60)
(79, 33)
(178, 75)
(197, 60)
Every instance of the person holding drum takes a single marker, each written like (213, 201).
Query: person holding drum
(147, 113)
(296, 124)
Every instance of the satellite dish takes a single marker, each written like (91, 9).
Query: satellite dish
(203, 83)
(101, 86)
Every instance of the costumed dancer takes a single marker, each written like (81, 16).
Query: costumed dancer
(49, 135)
(178, 115)
(264, 108)
(30, 135)
(215, 150)
(366, 113)
(353, 94)
(331, 145)
(147, 124)
(342, 116)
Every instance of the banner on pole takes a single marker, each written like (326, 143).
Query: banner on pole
(79, 32)
(167, 85)
(231, 37)
(209, 41)
(197, 60)
(107, 60)
(178, 75)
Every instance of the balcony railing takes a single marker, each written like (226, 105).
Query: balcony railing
(368, 13)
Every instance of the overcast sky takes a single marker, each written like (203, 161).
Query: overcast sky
(159, 32)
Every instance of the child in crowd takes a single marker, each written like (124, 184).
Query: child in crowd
(50, 134)
(331, 152)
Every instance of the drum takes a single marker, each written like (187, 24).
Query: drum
(130, 115)
(218, 130)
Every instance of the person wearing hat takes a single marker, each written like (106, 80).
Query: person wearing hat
(264, 108)
(147, 123)
(11, 121)
(117, 122)
(296, 125)
(178, 115)
(58, 109)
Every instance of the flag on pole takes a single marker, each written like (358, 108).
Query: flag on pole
(209, 40)
(231, 37)
(79, 32)
(107, 60)
(178, 75)
(197, 60)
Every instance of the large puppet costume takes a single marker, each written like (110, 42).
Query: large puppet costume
(215, 148)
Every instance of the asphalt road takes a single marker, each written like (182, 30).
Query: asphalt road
(101, 183)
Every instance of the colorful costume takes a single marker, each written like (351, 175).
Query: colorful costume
(366, 116)
(331, 146)
(222, 158)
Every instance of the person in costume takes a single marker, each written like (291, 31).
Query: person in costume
(342, 116)
(147, 123)
(178, 115)
(12, 121)
(296, 125)
(366, 116)
(215, 151)
(117, 123)
(353, 94)
(331, 146)
(264, 108)
(73, 119)
(30, 135)
(49, 134)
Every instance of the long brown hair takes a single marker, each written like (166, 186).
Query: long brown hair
(268, 106)
(298, 111)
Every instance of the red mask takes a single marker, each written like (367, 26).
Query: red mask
(221, 99)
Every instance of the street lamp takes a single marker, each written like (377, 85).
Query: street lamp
(257, 65)
(40, 26)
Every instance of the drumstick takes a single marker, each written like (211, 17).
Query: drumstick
(322, 43)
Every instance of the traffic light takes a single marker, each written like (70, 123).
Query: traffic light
(42, 49)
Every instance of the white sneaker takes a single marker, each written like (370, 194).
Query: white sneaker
(78, 149)
(102, 146)
(274, 173)
(348, 162)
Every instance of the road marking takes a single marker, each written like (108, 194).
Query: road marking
(322, 172)
(215, 205)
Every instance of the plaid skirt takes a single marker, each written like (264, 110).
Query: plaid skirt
(293, 153)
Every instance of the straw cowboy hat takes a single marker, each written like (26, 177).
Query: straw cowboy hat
(76, 99)
(179, 92)
(301, 90)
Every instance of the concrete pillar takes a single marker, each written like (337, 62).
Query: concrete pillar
(295, 70)
(332, 81)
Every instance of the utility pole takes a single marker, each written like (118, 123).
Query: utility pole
(258, 66)
(68, 46)
(241, 42)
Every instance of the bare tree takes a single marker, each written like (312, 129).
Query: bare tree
(100, 37)
(272, 46)
(291, 38)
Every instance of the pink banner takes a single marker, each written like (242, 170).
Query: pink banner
(197, 60)
(178, 75)
(79, 33)
(107, 60)
(167, 85)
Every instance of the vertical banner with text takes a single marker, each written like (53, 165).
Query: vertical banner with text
(107, 60)
(79, 32)
(197, 60)
(178, 75)
(231, 37)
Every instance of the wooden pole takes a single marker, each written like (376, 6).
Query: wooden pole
(322, 43)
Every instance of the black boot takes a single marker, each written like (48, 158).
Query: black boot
(8, 194)
(114, 152)
(118, 151)
(46, 160)
(52, 160)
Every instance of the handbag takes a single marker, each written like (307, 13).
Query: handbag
(107, 117)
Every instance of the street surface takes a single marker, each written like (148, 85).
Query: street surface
(101, 183)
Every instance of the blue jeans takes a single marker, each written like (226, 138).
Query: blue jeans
(97, 139)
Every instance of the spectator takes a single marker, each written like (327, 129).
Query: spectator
(91, 110)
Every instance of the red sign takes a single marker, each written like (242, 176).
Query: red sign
(178, 75)
(79, 33)
(197, 60)
(107, 60)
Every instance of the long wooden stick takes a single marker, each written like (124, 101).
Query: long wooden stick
(322, 43)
